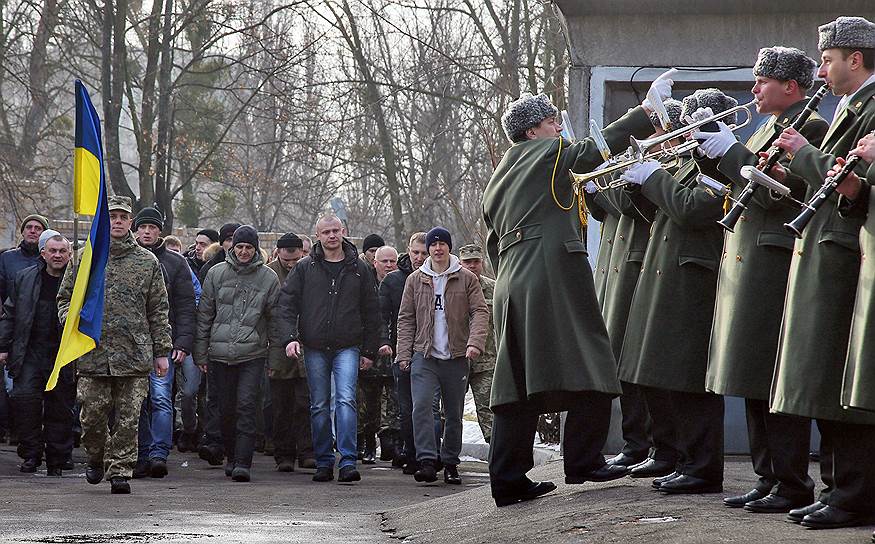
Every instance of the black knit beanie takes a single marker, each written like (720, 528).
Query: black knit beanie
(227, 231)
(245, 234)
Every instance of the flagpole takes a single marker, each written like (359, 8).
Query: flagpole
(75, 262)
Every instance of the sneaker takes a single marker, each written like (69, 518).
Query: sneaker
(119, 486)
(94, 474)
(141, 470)
(285, 466)
(240, 474)
(349, 474)
(29, 465)
(451, 475)
(323, 474)
(426, 472)
(157, 468)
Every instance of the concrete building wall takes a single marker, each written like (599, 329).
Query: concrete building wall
(617, 48)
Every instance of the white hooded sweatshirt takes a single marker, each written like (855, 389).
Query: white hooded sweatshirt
(440, 344)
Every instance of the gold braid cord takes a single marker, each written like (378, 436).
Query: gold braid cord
(581, 202)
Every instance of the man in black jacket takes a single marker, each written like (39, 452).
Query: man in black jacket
(391, 289)
(155, 432)
(195, 256)
(329, 306)
(29, 338)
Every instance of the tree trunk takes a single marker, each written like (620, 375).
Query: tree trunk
(163, 195)
(114, 57)
(147, 119)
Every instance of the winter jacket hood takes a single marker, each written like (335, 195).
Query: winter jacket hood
(455, 266)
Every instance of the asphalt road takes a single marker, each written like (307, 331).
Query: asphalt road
(197, 503)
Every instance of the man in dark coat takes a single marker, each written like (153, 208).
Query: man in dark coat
(195, 255)
(665, 349)
(155, 430)
(390, 291)
(544, 284)
(824, 273)
(29, 338)
(752, 285)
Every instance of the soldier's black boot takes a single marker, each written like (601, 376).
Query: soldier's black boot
(94, 474)
(119, 486)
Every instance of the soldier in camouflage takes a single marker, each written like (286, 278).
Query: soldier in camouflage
(113, 378)
(480, 379)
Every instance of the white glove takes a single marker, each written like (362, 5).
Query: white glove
(590, 187)
(715, 144)
(660, 89)
(698, 115)
(639, 173)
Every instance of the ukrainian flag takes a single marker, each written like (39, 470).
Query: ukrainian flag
(85, 316)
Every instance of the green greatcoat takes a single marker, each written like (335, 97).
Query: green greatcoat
(823, 283)
(858, 389)
(753, 272)
(624, 265)
(609, 217)
(552, 345)
(666, 342)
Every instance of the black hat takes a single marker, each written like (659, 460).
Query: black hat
(149, 216)
(227, 231)
(438, 234)
(209, 233)
(245, 234)
(372, 240)
(289, 240)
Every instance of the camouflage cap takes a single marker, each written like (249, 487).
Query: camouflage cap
(470, 251)
(122, 203)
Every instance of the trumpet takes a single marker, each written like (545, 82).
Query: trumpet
(641, 148)
(667, 156)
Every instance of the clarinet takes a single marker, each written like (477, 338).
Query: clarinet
(826, 190)
(775, 154)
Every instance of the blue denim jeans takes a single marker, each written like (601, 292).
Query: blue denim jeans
(155, 432)
(343, 366)
(188, 382)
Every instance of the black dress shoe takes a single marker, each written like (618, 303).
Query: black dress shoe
(29, 465)
(625, 460)
(451, 475)
(604, 473)
(535, 490)
(659, 481)
(796, 515)
(652, 468)
(426, 472)
(741, 500)
(689, 485)
(119, 486)
(94, 475)
(774, 504)
(348, 474)
(832, 517)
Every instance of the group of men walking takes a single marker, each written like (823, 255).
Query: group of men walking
(680, 312)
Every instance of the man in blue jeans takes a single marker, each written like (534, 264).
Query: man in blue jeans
(329, 306)
(155, 431)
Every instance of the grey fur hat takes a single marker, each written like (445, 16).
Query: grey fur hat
(526, 112)
(709, 98)
(847, 32)
(673, 107)
(784, 64)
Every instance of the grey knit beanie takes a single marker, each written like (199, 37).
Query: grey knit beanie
(847, 32)
(524, 113)
(673, 107)
(709, 98)
(784, 64)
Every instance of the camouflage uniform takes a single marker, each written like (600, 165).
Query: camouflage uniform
(113, 378)
(482, 369)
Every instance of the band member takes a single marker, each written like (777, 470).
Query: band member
(642, 440)
(553, 352)
(665, 350)
(823, 282)
(609, 217)
(752, 284)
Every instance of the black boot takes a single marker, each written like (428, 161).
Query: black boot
(94, 473)
(387, 446)
(451, 475)
(426, 472)
(29, 465)
(119, 486)
(369, 456)
(142, 469)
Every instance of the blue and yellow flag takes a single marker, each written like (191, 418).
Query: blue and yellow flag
(85, 315)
